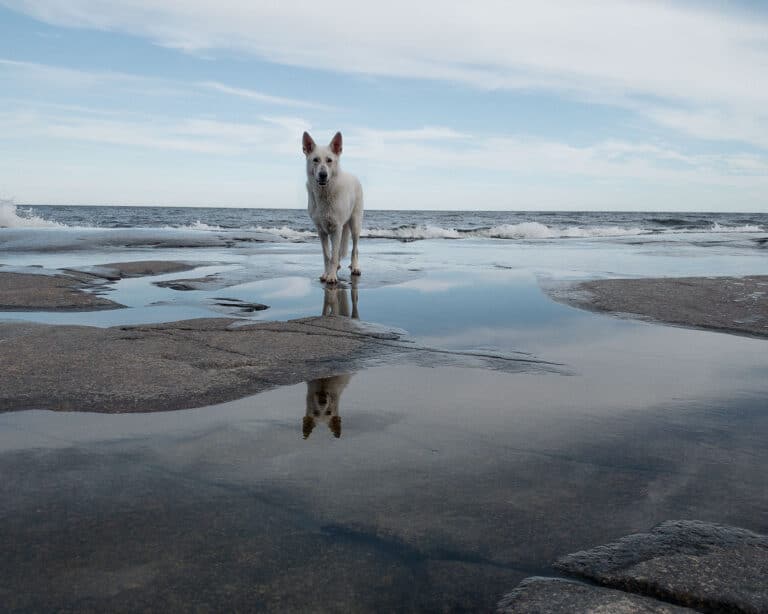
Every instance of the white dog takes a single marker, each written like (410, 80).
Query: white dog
(335, 205)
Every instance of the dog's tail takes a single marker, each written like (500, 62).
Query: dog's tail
(344, 248)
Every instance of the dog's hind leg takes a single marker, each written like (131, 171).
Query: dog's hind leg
(355, 225)
(344, 242)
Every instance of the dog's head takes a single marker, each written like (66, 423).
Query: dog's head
(323, 397)
(322, 162)
(322, 406)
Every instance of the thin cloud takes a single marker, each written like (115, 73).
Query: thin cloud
(262, 97)
(64, 77)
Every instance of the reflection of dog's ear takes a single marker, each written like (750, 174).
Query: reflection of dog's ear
(307, 426)
(335, 425)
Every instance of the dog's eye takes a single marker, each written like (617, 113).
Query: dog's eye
(315, 159)
(328, 160)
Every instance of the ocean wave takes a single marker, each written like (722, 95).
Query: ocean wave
(745, 228)
(524, 230)
(536, 230)
(13, 217)
(285, 232)
(198, 225)
(412, 233)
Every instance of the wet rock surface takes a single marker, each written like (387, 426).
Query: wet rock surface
(37, 289)
(237, 305)
(705, 566)
(558, 596)
(729, 304)
(208, 282)
(40, 292)
(163, 366)
(113, 271)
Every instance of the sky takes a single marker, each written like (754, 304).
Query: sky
(492, 105)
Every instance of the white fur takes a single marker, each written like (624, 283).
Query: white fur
(335, 203)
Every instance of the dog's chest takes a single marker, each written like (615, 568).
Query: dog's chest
(328, 211)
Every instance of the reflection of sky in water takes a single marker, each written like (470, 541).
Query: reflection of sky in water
(461, 302)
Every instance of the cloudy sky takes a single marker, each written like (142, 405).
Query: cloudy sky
(618, 105)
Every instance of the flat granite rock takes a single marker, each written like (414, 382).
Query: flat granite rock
(709, 567)
(66, 289)
(165, 366)
(727, 304)
(38, 292)
(113, 271)
(557, 596)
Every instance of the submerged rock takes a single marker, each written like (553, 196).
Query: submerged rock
(558, 596)
(709, 567)
(113, 271)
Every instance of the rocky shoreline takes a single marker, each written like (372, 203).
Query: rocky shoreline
(737, 305)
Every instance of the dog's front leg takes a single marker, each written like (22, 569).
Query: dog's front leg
(330, 272)
(324, 239)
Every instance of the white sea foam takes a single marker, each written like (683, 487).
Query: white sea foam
(746, 228)
(198, 225)
(524, 230)
(286, 232)
(13, 217)
(412, 233)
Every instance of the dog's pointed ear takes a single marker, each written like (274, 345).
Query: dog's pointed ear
(307, 144)
(307, 426)
(336, 144)
(335, 426)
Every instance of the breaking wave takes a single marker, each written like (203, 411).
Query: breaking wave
(13, 217)
(745, 228)
(524, 230)
(412, 233)
(286, 232)
(197, 225)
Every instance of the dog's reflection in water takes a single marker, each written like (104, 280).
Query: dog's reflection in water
(323, 394)
(336, 301)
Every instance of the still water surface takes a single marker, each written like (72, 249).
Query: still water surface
(436, 489)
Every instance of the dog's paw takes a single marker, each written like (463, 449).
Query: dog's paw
(331, 280)
(356, 272)
(323, 277)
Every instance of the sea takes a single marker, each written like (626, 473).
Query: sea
(255, 224)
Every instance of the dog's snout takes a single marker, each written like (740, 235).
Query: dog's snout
(322, 175)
